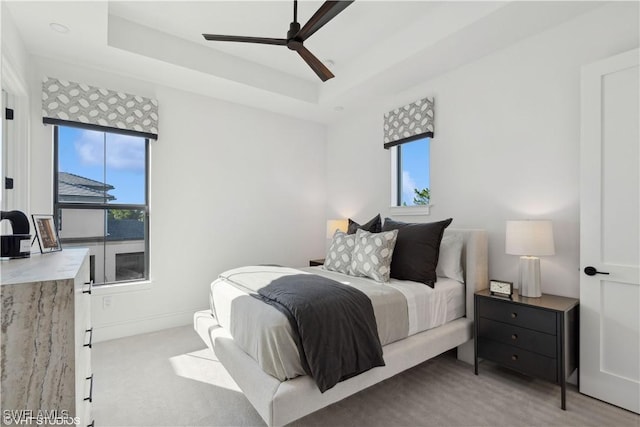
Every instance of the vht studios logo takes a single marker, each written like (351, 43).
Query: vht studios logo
(39, 418)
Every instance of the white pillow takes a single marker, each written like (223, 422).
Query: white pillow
(340, 252)
(450, 259)
(372, 254)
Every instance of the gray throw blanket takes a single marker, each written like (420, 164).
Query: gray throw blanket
(334, 324)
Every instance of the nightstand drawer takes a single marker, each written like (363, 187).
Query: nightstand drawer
(526, 339)
(518, 359)
(518, 315)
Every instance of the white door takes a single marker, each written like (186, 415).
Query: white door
(609, 231)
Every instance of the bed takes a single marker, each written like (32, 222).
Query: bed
(281, 396)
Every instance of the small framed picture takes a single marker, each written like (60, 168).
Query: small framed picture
(47, 233)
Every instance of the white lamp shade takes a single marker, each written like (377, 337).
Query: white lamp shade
(529, 237)
(336, 224)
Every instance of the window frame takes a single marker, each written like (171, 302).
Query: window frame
(58, 206)
(395, 207)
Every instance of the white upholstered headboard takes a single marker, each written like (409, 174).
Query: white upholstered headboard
(475, 262)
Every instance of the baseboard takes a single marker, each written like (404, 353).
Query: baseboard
(141, 325)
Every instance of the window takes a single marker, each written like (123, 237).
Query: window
(410, 169)
(101, 202)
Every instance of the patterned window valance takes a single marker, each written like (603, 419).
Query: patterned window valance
(65, 102)
(409, 123)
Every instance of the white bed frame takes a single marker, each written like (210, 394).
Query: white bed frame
(281, 402)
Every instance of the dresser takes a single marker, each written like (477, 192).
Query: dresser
(534, 336)
(46, 337)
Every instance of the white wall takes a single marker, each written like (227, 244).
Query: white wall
(507, 142)
(13, 75)
(229, 186)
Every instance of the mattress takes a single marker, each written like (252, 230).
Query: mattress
(402, 308)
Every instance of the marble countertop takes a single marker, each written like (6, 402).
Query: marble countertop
(61, 265)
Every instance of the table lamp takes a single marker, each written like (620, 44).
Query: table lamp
(530, 239)
(336, 224)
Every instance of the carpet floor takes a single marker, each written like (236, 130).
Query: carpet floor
(170, 378)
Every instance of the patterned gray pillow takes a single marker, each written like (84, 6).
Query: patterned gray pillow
(372, 254)
(340, 252)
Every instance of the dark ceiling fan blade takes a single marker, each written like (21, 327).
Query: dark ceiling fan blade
(261, 40)
(326, 13)
(318, 67)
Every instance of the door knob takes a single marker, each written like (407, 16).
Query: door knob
(591, 271)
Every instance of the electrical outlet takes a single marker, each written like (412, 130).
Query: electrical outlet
(106, 302)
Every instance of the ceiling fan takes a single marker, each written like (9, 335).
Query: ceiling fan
(297, 36)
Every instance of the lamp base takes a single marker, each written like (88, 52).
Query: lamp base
(530, 277)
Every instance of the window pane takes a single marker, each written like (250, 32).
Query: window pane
(84, 225)
(125, 168)
(81, 166)
(129, 266)
(126, 232)
(413, 176)
(85, 228)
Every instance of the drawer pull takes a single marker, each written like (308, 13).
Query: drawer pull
(90, 338)
(90, 398)
(514, 315)
(514, 357)
(88, 289)
(514, 336)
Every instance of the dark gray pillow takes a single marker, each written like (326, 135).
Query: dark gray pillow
(415, 255)
(374, 225)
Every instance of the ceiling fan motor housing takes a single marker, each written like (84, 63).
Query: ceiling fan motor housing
(292, 42)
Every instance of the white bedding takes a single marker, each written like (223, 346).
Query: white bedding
(274, 348)
(427, 307)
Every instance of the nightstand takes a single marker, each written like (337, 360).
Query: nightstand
(534, 336)
(316, 262)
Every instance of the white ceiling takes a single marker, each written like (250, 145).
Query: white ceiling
(378, 47)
